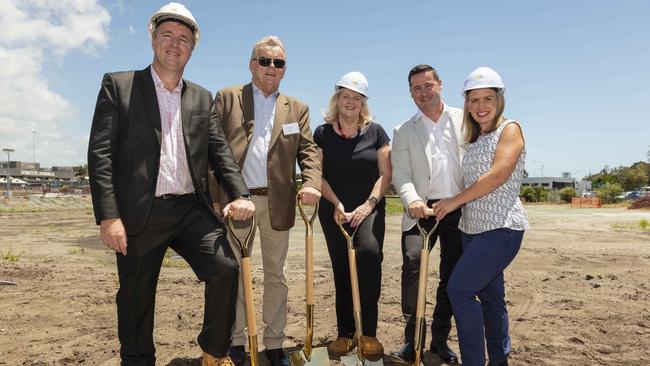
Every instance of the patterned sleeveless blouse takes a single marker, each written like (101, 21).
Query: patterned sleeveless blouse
(502, 207)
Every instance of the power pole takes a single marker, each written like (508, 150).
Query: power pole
(34, 148)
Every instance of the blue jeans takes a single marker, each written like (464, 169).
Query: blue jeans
(479, 273)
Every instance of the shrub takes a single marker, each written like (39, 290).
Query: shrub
(533, 194)
(609, 191)
(567, 193)
(643, 224)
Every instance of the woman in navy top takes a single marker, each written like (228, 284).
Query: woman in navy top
(355, 154)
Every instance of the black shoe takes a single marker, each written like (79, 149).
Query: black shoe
(406, 355)
(277, 357)
(237, 355)
(444, 352)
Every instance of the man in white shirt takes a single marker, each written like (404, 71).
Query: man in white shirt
(269, 133)
(426, 157)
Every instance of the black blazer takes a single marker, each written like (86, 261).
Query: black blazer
(124, 148)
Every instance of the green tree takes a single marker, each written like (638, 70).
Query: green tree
(634, 178)
(567, 193)
(81, 170)
(609, 191)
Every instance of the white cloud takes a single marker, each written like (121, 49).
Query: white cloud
(35, 33)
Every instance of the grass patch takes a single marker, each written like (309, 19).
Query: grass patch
(642, 225)
(76, 250)
(173, 260)
(10, 256)
(394, 205)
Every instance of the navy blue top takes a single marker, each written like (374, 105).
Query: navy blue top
(350, 165)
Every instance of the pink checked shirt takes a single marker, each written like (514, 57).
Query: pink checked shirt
(174, 174)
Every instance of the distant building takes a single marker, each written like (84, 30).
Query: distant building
(33, 174)
(581, 187)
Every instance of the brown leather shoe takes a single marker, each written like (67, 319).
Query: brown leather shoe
(209, 360)
(371, 348)
(341, 346)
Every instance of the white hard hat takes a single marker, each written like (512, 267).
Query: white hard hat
(178, 12)
(354, 81)
(483, 77)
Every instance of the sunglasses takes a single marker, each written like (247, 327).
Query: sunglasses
(266, 62)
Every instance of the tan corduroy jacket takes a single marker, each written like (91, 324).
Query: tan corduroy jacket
(234, 108)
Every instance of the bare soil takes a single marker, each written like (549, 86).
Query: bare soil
(578, 292)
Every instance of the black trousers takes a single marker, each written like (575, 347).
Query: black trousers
(187, 226)
(369, 241)
(451, 248)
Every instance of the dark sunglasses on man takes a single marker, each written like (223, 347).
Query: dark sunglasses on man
(266, 62)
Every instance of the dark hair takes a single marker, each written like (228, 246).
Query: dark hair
(423, 68)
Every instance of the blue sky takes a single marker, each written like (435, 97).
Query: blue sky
(576, 72)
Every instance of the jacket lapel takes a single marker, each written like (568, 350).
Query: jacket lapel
(148, 90)
(247, 106)
(186, 112)
(281, 115)
(423, 138)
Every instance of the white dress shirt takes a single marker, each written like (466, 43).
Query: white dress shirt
(256, 163)
(174, 173)
(445, 179)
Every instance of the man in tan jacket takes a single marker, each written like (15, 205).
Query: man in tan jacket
(268, 133)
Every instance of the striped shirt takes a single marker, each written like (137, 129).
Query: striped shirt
(174, 173)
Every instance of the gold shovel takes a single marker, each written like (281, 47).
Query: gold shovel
(356, 298)
(422, 287)
(309, 356)
(247, 281)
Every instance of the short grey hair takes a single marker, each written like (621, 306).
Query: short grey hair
(267, 41)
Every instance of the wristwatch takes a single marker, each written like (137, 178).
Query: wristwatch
(246, 197)
(373, 200)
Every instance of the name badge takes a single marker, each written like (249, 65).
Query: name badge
(290, 128)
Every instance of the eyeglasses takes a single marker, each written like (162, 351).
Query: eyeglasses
(266, 62)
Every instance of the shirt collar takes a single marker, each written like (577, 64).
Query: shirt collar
(420, 116)
(159, 83)
(258, 93)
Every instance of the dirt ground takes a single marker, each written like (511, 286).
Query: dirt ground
(578, 292)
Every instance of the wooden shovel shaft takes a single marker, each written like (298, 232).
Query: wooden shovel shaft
(247, 281)
(356, 298)
(309, 264)
(421, 304)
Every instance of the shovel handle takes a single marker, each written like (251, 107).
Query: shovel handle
(244, 246)
(349, 236)
(309, 250)
(247, 284)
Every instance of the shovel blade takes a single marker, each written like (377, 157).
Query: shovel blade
(318, 357)
(353, 360)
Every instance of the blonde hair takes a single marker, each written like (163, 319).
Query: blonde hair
(471, 128)
(332, 114)
(268, 41)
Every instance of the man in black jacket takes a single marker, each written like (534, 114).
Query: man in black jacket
(150, 144)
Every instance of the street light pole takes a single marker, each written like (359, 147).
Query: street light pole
(8, 192)
(541, 167)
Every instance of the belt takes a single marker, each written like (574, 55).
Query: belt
(259, 191)
(171, 196)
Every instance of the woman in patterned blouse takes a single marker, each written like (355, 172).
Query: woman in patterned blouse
(493, 220)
